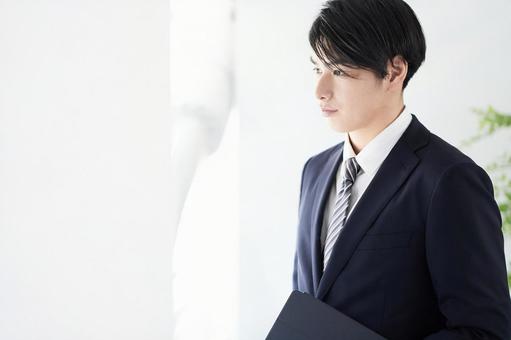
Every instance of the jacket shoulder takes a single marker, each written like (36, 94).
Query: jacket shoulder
(440, 155)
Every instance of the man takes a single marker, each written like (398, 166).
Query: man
(397, 228)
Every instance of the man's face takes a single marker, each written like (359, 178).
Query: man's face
(358, 99)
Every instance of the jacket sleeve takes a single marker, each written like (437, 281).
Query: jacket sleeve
(295, 263)
(465, 255)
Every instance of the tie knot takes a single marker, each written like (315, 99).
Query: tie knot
(352, 169)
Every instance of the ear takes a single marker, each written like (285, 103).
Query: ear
(397, 68)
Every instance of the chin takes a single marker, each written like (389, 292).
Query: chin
(339, 126)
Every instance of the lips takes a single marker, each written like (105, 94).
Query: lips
(327, 109)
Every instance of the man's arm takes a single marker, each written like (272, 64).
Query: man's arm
(295, 263)
(465, 255)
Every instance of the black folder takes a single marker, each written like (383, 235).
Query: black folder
(304, 317)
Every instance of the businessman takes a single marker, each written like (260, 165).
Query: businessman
(397, 228)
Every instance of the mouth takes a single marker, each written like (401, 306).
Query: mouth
(328, 111)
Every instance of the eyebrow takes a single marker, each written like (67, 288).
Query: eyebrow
(313, 61)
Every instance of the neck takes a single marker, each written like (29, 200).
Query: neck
(361, 137)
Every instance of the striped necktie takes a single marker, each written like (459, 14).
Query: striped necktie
(341, 208)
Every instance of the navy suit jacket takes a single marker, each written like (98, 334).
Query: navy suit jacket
(422, 254)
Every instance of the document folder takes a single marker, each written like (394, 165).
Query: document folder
(304, 317)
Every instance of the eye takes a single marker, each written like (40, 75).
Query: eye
(316, 70)
(338, 73)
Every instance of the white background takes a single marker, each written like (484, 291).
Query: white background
(84, 150)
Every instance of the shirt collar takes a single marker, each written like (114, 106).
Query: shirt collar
(374, 153)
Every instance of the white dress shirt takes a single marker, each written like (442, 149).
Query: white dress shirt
(370, 159)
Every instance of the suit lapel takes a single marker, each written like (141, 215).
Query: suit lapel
(394, 170)
(323, 187)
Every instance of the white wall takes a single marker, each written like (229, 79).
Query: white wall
(281, 126)
(84, 147)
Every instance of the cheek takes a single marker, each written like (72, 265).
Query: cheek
(365, 97)
(358, 105)
(355, 98)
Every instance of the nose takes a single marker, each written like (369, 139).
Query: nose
(324, 87)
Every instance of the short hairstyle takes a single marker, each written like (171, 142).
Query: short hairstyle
(366, 34)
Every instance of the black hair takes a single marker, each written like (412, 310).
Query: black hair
(366, 34)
